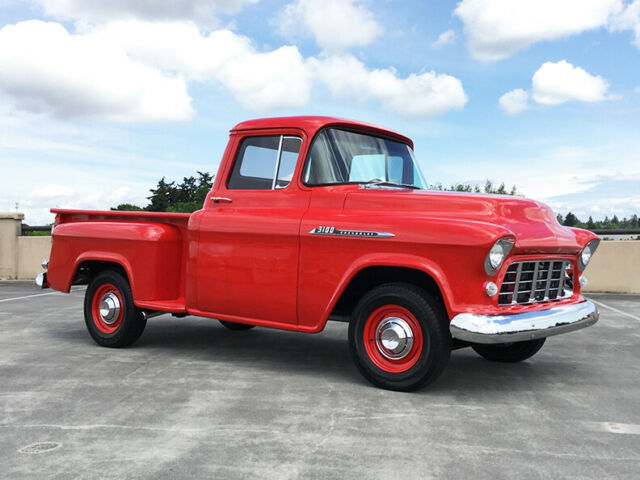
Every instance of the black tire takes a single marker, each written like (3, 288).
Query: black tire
(509, 352)
(236, 326)
(428, 316)
(128, 328)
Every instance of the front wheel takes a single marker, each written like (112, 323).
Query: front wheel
(399, 337)
(109, 312)
(509, 352)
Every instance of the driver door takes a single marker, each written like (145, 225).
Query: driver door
(247, 266)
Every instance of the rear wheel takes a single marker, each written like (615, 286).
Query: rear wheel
(509, 352)
(236, 326)
(109, 312)
(398, 337)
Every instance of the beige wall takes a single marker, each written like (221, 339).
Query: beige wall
(10, 224)
(615, 267)
(31, 252)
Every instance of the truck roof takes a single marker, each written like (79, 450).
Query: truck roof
(311, 124)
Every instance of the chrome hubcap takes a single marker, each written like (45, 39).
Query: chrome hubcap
(394, 338)
(109, 308)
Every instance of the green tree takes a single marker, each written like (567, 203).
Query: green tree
(128, 207)
(162, 197)
(570, 220)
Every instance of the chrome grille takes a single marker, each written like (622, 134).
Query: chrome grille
(535, 282)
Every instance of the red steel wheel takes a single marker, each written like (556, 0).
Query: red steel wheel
(393, 338)
(107, 308)
(399, 336)
(111, 316)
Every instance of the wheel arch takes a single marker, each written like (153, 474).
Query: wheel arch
(90, 264)
(369, 273)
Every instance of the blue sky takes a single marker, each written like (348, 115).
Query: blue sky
(98, 100)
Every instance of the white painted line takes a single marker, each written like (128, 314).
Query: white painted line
(28, 296)
(615, 310)
(38, 295)
(613, 427)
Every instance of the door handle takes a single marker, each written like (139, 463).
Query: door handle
(221, 200)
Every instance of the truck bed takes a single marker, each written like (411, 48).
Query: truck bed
(151, 247)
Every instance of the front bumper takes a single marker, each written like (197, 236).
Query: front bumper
(519, 327)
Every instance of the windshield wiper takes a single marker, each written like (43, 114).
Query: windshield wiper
(385, 183)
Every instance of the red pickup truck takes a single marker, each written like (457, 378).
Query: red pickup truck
(313, 219)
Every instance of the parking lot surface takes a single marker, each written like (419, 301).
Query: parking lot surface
(192, 399)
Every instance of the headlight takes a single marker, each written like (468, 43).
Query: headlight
(497, 254)
(587, 253)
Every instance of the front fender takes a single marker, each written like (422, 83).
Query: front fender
(414, 262)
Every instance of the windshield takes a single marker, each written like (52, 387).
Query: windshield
(342, 157)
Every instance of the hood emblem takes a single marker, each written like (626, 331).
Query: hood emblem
(333, 231)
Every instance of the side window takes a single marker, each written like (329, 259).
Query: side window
(264, 163)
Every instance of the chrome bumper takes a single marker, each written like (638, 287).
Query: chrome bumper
(523, 326)
(41, 280)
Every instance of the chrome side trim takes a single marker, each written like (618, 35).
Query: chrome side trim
(519, 327)
(334, 232)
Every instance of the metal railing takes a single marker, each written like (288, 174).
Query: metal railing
(616, 231)
(34, 228)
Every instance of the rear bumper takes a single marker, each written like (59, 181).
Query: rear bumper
(41, 281)
(519, 327)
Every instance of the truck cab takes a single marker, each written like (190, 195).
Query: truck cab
(312, 219)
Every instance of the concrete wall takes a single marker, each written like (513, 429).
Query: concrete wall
(10, 225)
(20, 257)
(31, 252)
(615, 267)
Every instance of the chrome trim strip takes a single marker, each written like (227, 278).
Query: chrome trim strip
(275, 174)
(334, 232)
(519, 327)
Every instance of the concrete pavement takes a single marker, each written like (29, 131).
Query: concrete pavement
(192, 399)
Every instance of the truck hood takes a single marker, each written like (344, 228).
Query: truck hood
(532, 223)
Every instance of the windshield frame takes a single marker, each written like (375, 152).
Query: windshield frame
(362, 131)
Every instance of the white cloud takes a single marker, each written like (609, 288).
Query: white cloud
(135, 71)
(46, 69)
(418, 95)
(629, 19)
(53, 191)
(496, 29)
(556, 83)
(514, 102)
(335, 24)
(260, 81)
(98, 11)
(560, 82)
(445, 38)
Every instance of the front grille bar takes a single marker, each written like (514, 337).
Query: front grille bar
(537, 281)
